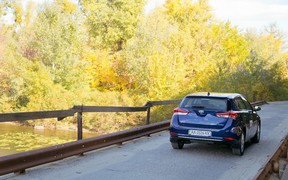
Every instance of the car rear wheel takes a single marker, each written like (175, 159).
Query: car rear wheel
(256, 138)
(239, 149)
(177, 145)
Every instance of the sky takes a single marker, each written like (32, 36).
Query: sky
(253, 14)
(248, 14)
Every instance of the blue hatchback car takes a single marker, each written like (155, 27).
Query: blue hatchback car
(226, 118)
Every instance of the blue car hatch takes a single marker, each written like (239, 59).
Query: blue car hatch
(202, 119)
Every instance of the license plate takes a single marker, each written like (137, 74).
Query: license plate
(199, 133)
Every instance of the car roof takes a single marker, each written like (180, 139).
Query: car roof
(215, 94)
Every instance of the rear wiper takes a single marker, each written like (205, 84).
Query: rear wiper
(199, 107)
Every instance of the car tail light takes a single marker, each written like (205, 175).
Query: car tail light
(179, 111)
(232, 115)
(229, 139)
(173, 134)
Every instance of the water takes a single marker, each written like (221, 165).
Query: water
(16, 138)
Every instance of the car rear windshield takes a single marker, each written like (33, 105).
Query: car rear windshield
(219, 104)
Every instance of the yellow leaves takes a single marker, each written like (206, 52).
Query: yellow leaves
(191, 15)
(228, 45)
(101, 71)
(166, 72)
(67, 6)
(18, 13)
(173, 7)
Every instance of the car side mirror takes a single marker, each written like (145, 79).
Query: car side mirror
(257, 108)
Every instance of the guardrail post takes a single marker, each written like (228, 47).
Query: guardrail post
(254, 96)
(149, 105)
(79, 124)
(148, 116)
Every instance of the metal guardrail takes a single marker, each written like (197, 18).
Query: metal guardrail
(259, 103)
(22, 116)
(146, 107)
(272, 166)
(21, 161)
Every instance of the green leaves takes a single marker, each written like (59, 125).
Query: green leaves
(112, 23)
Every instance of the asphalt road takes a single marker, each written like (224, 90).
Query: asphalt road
(152, 158)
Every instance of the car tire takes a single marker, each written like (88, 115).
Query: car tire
(177, 145)
(239, 149)
(256, 138)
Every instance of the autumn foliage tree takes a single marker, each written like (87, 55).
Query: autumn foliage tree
(103, 52)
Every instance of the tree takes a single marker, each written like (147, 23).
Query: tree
(267, 65)
(112, 23)
(56, 39)
(152, 60)
(228, 50)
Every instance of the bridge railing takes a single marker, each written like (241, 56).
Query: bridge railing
(61, 114)
(21, 161)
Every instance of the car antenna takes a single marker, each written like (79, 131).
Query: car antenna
(208, 94)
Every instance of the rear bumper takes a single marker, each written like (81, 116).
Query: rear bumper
(191, 139)
(188, 140)
(218, 137)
